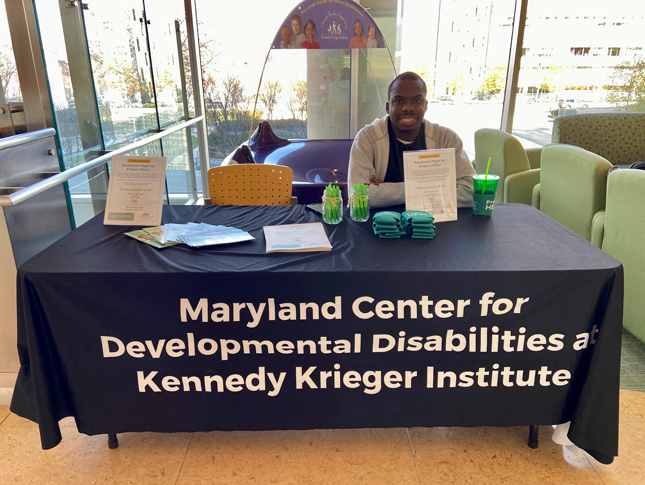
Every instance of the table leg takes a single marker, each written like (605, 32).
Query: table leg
(113, 441)
(533, 436)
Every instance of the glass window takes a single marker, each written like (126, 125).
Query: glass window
(465, 84)
(121, 77)
(9, 84)
(576, 78)
(304, 93)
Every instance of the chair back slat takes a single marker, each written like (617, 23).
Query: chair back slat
(253, 184)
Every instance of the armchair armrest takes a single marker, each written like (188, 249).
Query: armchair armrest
(518, 187)
(534, 155)
(598, 228)
(536, 197)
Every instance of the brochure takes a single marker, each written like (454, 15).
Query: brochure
(296, 238)
(191, 234)
(431, 183)
(135, 191)
(152, 236)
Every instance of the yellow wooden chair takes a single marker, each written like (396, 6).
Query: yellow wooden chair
(252, 184)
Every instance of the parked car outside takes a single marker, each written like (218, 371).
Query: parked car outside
(569, 103)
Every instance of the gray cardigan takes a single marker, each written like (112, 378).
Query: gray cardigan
(371, 152)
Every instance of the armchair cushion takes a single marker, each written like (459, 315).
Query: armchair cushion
(518, 187)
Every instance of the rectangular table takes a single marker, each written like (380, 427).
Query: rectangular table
(502, 321)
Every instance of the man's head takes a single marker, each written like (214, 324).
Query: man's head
(286, 34)
(296, 24)
(407, 105)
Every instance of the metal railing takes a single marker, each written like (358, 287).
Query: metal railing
(59, 178)
(17, 140)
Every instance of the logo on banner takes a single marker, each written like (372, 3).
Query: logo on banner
(334, 27)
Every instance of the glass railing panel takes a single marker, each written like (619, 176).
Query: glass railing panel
(86, 200)
(73, 103)
(117, 42)
(182, 173)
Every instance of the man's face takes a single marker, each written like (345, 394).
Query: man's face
(286, 35)
(357, 28)
(295, 25)
(407, 106)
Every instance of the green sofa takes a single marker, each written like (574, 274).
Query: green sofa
(618, 137)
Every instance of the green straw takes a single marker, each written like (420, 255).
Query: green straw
(487, 167)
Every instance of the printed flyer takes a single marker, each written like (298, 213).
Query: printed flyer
(135, 191)
(431, 183)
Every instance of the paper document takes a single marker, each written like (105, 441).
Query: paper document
(214, 235)
(152, 236)
(191, 234)
(431, 183)
(135, 191)
(296, 237)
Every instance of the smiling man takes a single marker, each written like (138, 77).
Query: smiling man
(377, 152)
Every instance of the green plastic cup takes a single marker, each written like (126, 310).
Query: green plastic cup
(484, 193)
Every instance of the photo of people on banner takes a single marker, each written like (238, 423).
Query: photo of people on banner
(345, 26)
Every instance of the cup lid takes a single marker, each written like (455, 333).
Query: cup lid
(482, 177)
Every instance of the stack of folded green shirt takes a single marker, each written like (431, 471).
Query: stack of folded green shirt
(387, 225)
(418, 224)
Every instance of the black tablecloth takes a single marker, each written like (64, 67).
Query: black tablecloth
(511, 320)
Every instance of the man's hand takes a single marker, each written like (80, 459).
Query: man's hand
(375, 181)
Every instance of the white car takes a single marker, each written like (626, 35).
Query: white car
(569, 103)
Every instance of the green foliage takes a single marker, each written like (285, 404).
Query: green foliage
(495, 81)
(423, 70)
(629, 85)
(457, 84)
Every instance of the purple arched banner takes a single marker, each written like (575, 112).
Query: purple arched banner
(328, 24)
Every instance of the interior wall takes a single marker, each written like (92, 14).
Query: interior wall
(8, 354)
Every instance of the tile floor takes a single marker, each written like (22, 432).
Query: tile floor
(632, 364)
(364, 456)
(428, 456)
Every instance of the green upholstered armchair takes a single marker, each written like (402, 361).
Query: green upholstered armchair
(572, 187)
(618, 137)
(620, 230)
(518, 169)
